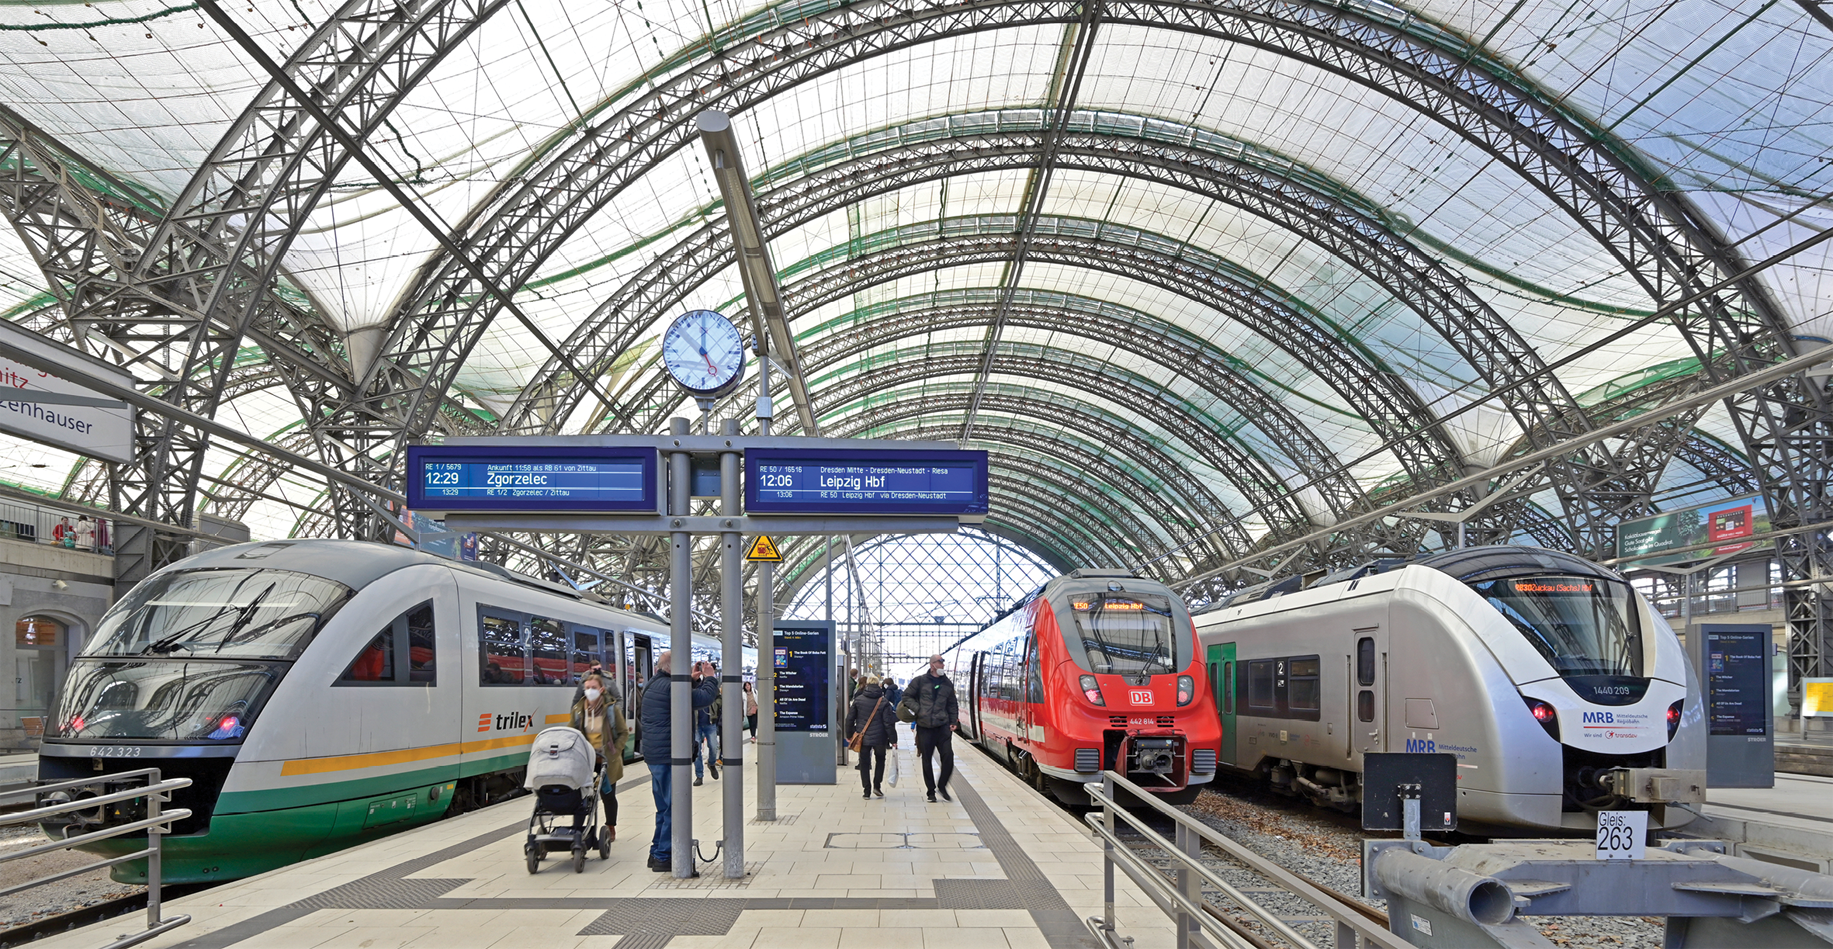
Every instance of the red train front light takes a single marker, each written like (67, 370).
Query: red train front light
(1674, 719)
(1091, 690)
(1186, 690)
(1545, 715)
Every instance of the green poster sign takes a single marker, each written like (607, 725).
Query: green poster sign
(1646, 538)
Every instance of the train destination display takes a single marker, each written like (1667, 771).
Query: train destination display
(803, 656)
(797, 481)
(487, 478)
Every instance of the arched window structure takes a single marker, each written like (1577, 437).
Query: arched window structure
(908, 596)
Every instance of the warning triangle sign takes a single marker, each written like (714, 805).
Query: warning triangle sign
(762, 549)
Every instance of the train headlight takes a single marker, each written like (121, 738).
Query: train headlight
(1674, 719)
(1091, 690)
(1545, 715)
(1186, 690)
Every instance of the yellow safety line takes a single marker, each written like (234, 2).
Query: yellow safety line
(377, 759)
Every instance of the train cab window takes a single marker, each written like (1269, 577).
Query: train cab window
(502, 656)
(1034, 673)
(376, 662)
(1365, 661)
(408, 636)
(547, 646)
(1302, 691)
(1260, 684)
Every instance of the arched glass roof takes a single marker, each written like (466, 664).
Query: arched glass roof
(1310, 256)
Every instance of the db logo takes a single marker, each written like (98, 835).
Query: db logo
(1142, 696)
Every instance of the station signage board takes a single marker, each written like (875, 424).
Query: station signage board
(803, 656)
(875, 481)
(44, 408)
(531, 479)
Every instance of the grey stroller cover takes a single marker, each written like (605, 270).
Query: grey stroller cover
(561, 756)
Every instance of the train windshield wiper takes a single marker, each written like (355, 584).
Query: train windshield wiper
(168, 643)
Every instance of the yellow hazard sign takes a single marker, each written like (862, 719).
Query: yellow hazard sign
(763, 550)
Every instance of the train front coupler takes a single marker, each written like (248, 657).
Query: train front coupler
(1655, 785)
(1156, 760)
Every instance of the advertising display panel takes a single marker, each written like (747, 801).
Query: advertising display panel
(806, 726)
(1733, 660)
(1645, 538)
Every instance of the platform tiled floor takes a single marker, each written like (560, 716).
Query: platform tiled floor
(999, 867)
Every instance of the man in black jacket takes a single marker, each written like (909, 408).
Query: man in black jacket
(936, 714)
(656, 719)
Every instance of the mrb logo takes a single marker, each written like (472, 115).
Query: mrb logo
(1600, 718)
(1421, 746)
(508, 721)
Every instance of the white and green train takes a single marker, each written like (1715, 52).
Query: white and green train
(320, 693)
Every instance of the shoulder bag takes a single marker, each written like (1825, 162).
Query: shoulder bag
(858, 740)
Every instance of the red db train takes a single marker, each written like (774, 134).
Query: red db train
(1097, 670)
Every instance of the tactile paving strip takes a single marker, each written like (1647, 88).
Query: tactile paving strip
(712, 877)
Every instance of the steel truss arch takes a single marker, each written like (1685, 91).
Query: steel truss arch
(1386, 402)
(1181, 352)
(1146, 400)
(1400, 59)
(1165, 471)
(1036, 444)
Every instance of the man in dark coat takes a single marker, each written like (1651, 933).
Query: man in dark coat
(872, 716)
(656, 719)
(936, 714)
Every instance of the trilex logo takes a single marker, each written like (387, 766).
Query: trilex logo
(508, 721)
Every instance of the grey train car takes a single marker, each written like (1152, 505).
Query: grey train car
(1557, 688)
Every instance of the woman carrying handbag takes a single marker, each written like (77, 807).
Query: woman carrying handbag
(869, 724)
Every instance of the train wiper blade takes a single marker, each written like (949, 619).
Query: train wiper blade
(168, 643)
(246, 613)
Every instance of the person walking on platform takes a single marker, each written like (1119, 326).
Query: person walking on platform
(931, 701)
(870, 718)
(706, 729)
(658, 753)
(751, 710)
(597, 715)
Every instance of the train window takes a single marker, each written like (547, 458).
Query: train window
(1365, 661)
(1365, 705)
(1580, 625)
(502, 658)
(1302, 691)
(409, 635)
(547, 646)
(422, 645)
(1126, 633)
(1034, 674)
(585, 651)
(1260, 684)
(376, 663)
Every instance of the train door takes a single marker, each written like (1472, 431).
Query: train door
(1368, 687)
(1029, 688)
(976, 670)
(1222, 684)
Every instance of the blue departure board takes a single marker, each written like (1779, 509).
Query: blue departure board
(529, 479)
(825, 481)
(803, 656)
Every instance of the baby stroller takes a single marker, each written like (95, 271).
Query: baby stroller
(561, 772)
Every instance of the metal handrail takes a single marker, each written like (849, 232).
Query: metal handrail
(157, 824)
(1183, 901)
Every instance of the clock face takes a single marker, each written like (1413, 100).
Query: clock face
(703, 352)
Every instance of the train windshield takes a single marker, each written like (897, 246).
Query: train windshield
(1582, 625)
(219, 614)
(1125, 634)
(162, 699)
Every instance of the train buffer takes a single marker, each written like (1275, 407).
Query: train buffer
(1475, 895)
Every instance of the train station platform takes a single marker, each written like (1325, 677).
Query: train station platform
(1790, 824)
(998, 867)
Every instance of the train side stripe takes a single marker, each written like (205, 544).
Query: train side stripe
(378, 759)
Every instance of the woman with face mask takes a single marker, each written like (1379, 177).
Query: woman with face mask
(597, 713)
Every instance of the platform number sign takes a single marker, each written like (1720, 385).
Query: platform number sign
(1622, 835)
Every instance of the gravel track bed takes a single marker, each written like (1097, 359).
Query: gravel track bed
(52, 899)
(1327, 849)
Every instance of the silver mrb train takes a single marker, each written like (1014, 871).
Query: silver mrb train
(1558, 689)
